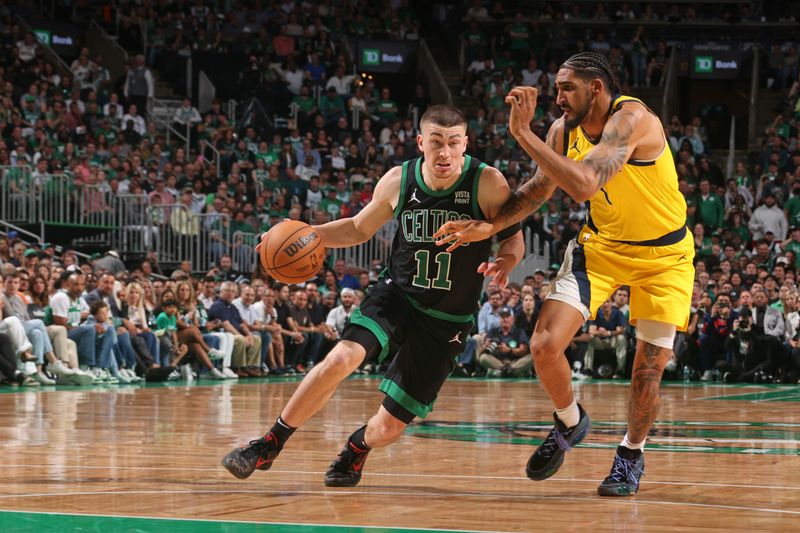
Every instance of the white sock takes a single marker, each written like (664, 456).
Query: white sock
(569, 415)
(631, 445)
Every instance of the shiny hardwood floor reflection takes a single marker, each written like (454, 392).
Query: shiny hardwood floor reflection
(722, 458)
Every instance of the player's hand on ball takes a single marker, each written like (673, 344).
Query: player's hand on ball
(523, 108)
(459, 232)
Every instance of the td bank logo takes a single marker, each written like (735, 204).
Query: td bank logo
(43, 36)
(371, 56)
(704, 64)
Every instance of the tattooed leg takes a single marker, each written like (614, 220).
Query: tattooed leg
(648, 366)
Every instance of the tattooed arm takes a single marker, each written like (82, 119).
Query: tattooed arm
(526, 200)
(533, 193)
(581, 180)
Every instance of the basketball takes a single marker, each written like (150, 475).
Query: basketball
(292, 252)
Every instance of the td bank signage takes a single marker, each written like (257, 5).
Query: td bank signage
(716, 62)
(385, 56)
(62, 37)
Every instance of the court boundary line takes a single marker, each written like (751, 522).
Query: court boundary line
(406, 475)
(408, 493)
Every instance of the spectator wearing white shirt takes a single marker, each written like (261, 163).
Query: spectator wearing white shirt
(313, 194)
(307, 169)
(338, 316)
(113, 109)
(84, 71)
(95, 340)
(209, 294)
(336, 158)
(294, 76)
(27, 48)
(244, 304)
(357, 101)
(255, 319)
(531, 74)
(132, 115)
(76, 99)
(341, 82)
(187, 114)
(272, 331)
(768, 217)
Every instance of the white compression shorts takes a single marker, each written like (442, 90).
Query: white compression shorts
(657, 333)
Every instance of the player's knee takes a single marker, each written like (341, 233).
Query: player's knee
(343, 359)
(386, 428)
(545, 346)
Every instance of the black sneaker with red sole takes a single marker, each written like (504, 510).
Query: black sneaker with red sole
(258, 455)
(346, 469)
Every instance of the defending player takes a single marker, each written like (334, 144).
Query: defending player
(610, 150)
(421, 309)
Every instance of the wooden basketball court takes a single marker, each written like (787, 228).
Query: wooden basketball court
(130, 458)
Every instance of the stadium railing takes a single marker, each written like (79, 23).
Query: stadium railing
(670, 83)
(132, 225)
(180, 234)
(439, 90)
(16, 194)
(243, 253)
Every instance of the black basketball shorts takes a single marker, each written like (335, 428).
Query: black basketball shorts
(426, 344)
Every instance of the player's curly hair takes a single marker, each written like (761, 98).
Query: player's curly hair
(591, 65)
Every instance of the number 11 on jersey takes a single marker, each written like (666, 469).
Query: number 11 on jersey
(442, 280)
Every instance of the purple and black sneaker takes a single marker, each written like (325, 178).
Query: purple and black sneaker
(547, 458)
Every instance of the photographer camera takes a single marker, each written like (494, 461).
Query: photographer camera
(505, 350)
(760, 362)
(714, 333)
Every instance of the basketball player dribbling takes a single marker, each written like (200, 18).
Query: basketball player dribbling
(609, 150)
(421, 310)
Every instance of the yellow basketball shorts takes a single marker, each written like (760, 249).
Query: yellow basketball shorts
(660, 277)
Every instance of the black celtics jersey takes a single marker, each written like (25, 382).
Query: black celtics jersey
(439, 282)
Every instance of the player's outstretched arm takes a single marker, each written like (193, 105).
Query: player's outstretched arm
(526, 200)
(508, 256)
(493, 194)
(581, 180)
(360, 228)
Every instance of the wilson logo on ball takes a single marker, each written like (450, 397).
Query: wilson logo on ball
(300, 243)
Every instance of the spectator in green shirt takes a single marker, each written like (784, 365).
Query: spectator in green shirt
(520, 45)
(741, 175)
(710, 210)
(268, 154)
(386, 108)
(332, 106)
(330, 204)
(475, 42)
(167, 320)
(306, 106)
(737, 225)
(792, 207)
(702, 244)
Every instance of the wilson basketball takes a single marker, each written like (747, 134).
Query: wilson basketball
(292, 252)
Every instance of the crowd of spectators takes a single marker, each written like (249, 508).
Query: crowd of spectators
(73, 322)
(223, 323)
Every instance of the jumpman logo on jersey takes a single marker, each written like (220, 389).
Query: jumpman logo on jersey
(414, 197)
(456, 339)
(575, 146)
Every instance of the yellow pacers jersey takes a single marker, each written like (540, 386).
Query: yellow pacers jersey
(640, 203)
